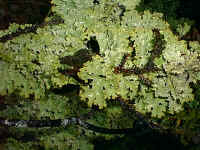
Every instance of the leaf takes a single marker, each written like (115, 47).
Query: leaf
(143, 46)
(105, 85)
(13, 28)
(148, 103)
(174, 90)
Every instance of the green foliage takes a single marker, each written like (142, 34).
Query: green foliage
(59, 107)
(167, 7)
(51, 140)
(13, 28)
(170, 10)
(104, 79)
(52, 107)
(170, 86)
(33, 63)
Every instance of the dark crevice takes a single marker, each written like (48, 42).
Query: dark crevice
(23, 12)
(123, 9)
(150, 141)
(73, 73)
(93, 45)
(196, 90)
(173, 11)
(189, 9)
(96, 2)
(64, 90)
